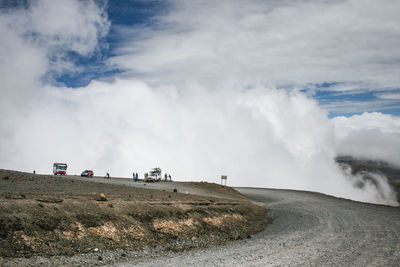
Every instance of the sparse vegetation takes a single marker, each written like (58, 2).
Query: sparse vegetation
(47, 215)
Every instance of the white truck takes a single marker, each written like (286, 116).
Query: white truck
(60, 168)
(153, 176)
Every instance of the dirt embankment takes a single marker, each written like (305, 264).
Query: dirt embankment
(47, 216)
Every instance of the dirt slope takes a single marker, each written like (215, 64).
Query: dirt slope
(46, 216)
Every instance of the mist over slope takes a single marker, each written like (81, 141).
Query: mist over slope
(369, 169)
(197, 97)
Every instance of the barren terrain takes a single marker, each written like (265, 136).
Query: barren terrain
(309, 229)
(60, 219)
(75, 221)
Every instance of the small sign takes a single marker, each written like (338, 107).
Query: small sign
(223, 178)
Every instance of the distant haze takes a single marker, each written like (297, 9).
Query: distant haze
(206, 89)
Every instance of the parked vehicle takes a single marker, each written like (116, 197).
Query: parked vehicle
(87, 173)
(60, 168)
(153, 176)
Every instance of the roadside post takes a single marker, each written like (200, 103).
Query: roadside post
(223, 179)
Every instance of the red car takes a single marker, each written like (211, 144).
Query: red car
(87, 173)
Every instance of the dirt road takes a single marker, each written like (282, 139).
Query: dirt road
(309, 229)
(192, 188)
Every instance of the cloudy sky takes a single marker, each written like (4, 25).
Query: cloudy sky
(266, 92)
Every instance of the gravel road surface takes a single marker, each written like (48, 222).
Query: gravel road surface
(182, 187)
(309, 229)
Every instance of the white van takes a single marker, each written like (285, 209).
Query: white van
(60, 168)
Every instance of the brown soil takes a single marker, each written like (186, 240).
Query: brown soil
(46, 216)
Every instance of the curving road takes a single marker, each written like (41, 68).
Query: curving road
(309, 229)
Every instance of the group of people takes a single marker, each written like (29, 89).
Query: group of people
(167, 177)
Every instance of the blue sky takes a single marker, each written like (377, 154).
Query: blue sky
(121, 14)
(340, 102)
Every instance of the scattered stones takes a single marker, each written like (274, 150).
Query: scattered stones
(14, 197)
(84, 229)
(49, 200)
(100, 197)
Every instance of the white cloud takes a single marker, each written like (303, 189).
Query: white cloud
(390, 96)
(199, 98)
(71, 25)
(370, 135)
(53, 28)
(263, 137)
(269, 42)
(34, 41)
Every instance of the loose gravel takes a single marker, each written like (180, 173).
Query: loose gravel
(309, 229)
